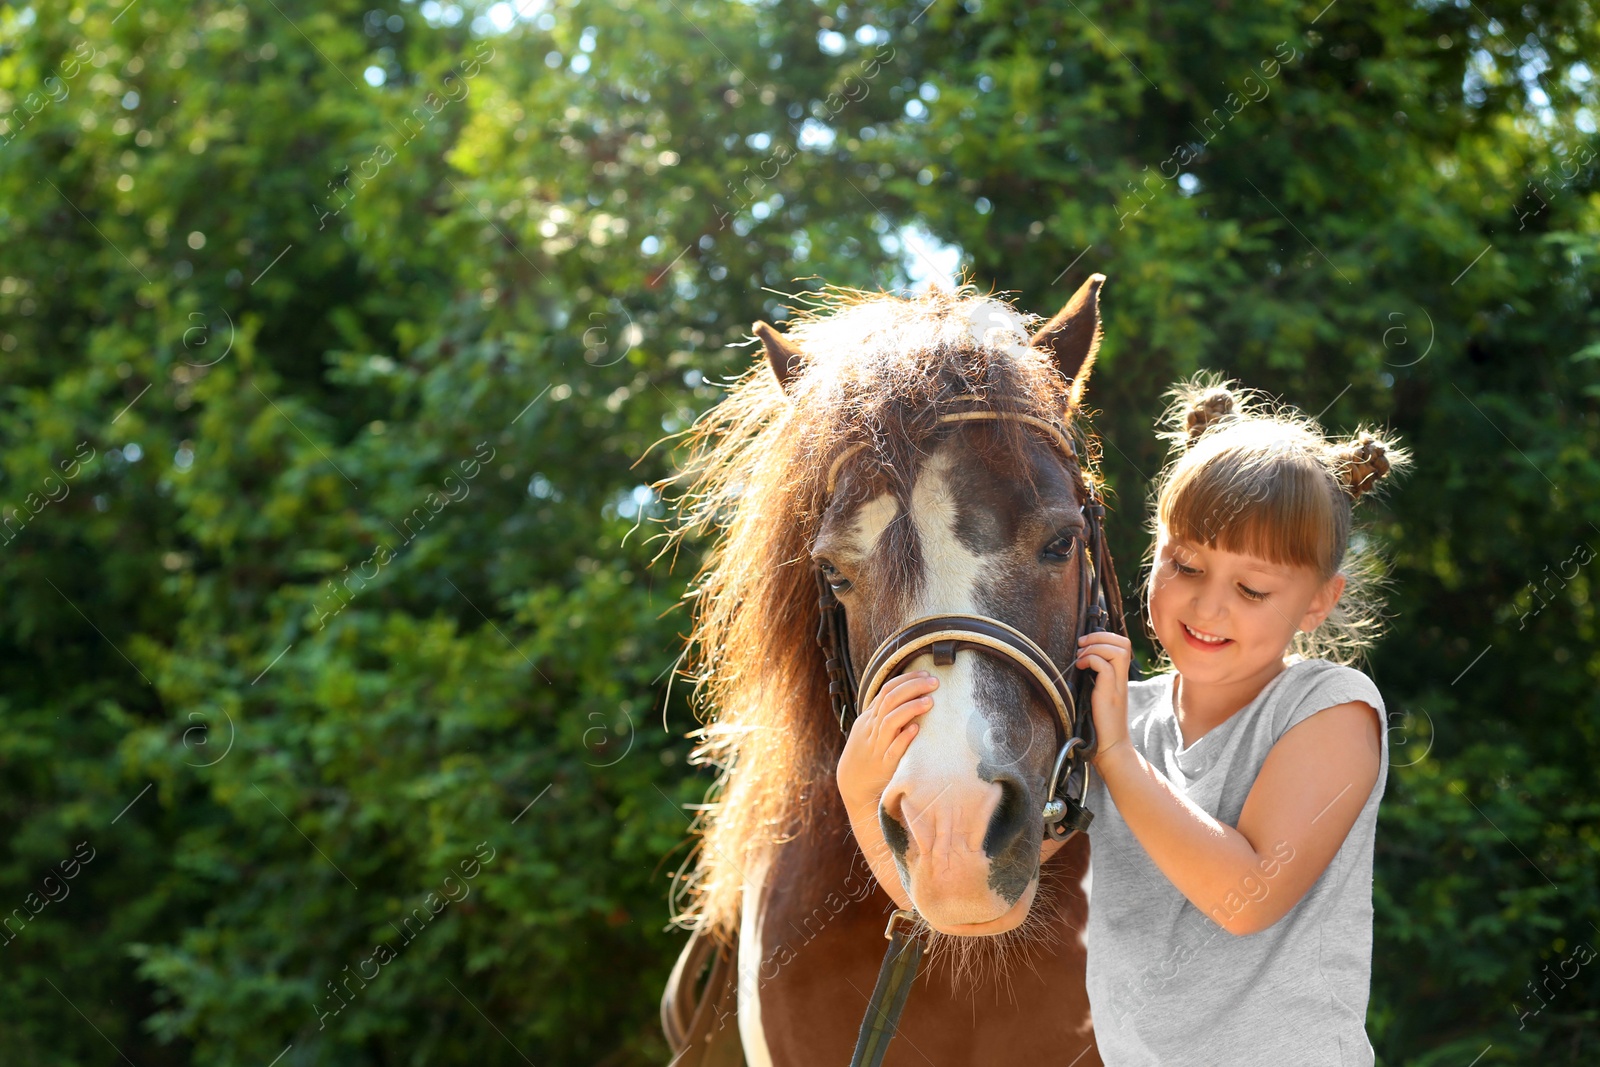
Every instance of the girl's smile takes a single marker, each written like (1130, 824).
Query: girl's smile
(1204, 641)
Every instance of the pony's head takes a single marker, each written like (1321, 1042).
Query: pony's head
(922, 517)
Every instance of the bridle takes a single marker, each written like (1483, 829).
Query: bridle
(945, 634)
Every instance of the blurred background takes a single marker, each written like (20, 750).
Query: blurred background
(334, 341)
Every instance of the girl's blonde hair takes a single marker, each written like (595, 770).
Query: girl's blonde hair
(1262, 479)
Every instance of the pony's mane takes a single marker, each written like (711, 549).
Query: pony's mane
(875, 367)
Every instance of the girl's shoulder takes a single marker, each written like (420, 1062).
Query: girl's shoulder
(1310, 685)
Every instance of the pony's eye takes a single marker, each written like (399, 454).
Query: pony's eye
(1061, 548)
(836, 581)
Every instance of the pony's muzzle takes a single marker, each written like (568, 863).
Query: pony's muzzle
(963, 845)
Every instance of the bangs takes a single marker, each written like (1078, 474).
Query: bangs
(1265, 497)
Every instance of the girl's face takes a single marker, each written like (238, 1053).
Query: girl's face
(1224, 617)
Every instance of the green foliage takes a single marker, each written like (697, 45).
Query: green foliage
(326, 407)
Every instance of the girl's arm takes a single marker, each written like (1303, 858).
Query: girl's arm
(878, 738)
(1309, 792)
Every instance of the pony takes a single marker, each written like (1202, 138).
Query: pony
(975, 517)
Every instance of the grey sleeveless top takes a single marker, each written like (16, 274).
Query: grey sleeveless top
(1169, 986)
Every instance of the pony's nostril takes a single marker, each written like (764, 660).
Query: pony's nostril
(894, 831)
(1010, 815)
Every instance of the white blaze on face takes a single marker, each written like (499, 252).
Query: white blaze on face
(944, 752)
(936, 789)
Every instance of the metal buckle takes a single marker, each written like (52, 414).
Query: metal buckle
(1064, 814)
(909, 917)
(1057, 779)
(1075, 819)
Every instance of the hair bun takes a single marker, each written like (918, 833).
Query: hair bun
(1361, 462)
(1207, 410)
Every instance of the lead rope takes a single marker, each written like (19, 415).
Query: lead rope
(906, 945)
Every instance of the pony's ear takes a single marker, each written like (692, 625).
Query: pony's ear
(1073, 336)
(783, 358)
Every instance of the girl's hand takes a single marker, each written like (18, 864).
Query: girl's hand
(880, 736)
(1108, 654)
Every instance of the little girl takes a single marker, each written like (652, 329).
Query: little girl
(1236, 799)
